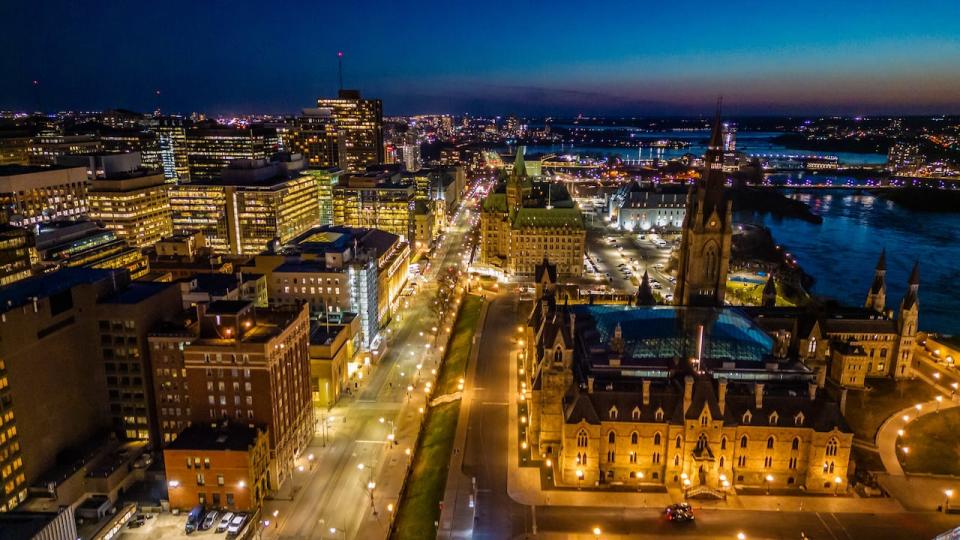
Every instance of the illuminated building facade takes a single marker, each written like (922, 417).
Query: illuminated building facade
(529, 222)
(359, 126)
(326, 180)
(15, 259)
(315, 138)
(231, 361)
(32, 195)
(171, 142)
(83, 244)
(210, 150)
(375, 200)
(642, 208)
(253, 205)
(612, 405)
(222, 466)
(49, 147)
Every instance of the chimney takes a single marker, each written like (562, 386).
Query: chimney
(687, 392)
(843, 401)
(589, 385)
(821, 377)
(573, 323)
(646, 392)
(812, 390)
(722, 395)
(758, 394)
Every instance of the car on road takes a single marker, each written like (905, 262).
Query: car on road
(136, 522)
(209, 520)
(225, 522)
(679, 513)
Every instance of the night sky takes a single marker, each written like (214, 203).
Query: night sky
(560, 57)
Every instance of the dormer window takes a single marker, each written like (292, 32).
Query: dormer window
(798, 419)
(774, 418)
(614, 412)
(658, 415)
(704, 419)
(635, 414)
(747, 417)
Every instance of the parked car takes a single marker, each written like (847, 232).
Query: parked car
(225, 522)
(236, 525)
(209, 520)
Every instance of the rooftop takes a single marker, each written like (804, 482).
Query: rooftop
(136, 292)
(230, 436)
(47, 285)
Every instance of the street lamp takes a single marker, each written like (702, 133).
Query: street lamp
(597, 532)
(370, 486)
(837, 481)
(946, 501)
(769, 480)
(939, 401)
(741, 536)
(579, 477)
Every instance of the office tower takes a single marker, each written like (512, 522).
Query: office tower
(254, 204)
(83, 244)
(210, 150)
(316, 138)
(47, 338)
(171, 142)
(326, 180)
(375, 200)
(359, 125)
(233, 362)
(15, 147)
(146, 143)
(123, 320)
(15, 260)
(339, 269)
(49, 146)
(133, 203)
(30, 194)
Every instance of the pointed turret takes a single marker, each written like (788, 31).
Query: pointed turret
(877, 296)
(913, 287)
(645, 292)
(769, 296)
(616, 342)
(519, 165)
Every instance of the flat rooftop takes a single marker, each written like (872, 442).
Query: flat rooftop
(137, 292)
(201, 436)
(46, 285)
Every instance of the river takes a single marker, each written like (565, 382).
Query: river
(841, 253)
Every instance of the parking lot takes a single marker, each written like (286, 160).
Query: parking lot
(167, 525)
(619, 258)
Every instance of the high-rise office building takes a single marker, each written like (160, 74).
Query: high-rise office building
(127, 198)
(210, 150)
(48, 146)
(145, 143)
(359, 125)
(316, 138)
(326, 180)
(83, 244)
(30, 194)
(375, 200)
(171, 143)
(15, 260)
(254, 204)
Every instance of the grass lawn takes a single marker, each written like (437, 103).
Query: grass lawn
(867, 409)
(458, 350)
(420, 506)
(751, 294)
(934, 441)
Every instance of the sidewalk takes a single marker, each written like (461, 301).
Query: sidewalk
(887, 434)
(456, 519)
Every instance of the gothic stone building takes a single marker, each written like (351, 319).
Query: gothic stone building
(524, 221)
(688, 397)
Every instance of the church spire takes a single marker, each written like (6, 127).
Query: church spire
(519, 164)
(645, 292)
(913, 286)
(769, 295)
(716, 135)
(877, 296)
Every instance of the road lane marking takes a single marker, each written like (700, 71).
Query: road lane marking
(825, 526)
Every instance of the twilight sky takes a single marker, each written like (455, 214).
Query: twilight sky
(524, 57)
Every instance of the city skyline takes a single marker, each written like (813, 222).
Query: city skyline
(858, 58)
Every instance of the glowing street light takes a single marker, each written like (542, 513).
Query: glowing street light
(597, 532)
(948, 493)
(579, 477)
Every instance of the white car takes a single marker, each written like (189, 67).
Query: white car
(235, 525)
(224, 522)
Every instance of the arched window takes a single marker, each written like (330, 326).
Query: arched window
(710, 258)
(743, 441)
(656, 457)
(747, 416)
(558, 355)
(703, 420)
(634, 438)
(796, 444)
(774, 418)
(636, 413)
(582, 439)
(659, 415)
(656, 439)
(702, 441)
(769, 442)
(677, 443)
(614, 412)
(611, 438)
(723, 443)
(676, 460)
(721, 462)
(832, 447)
